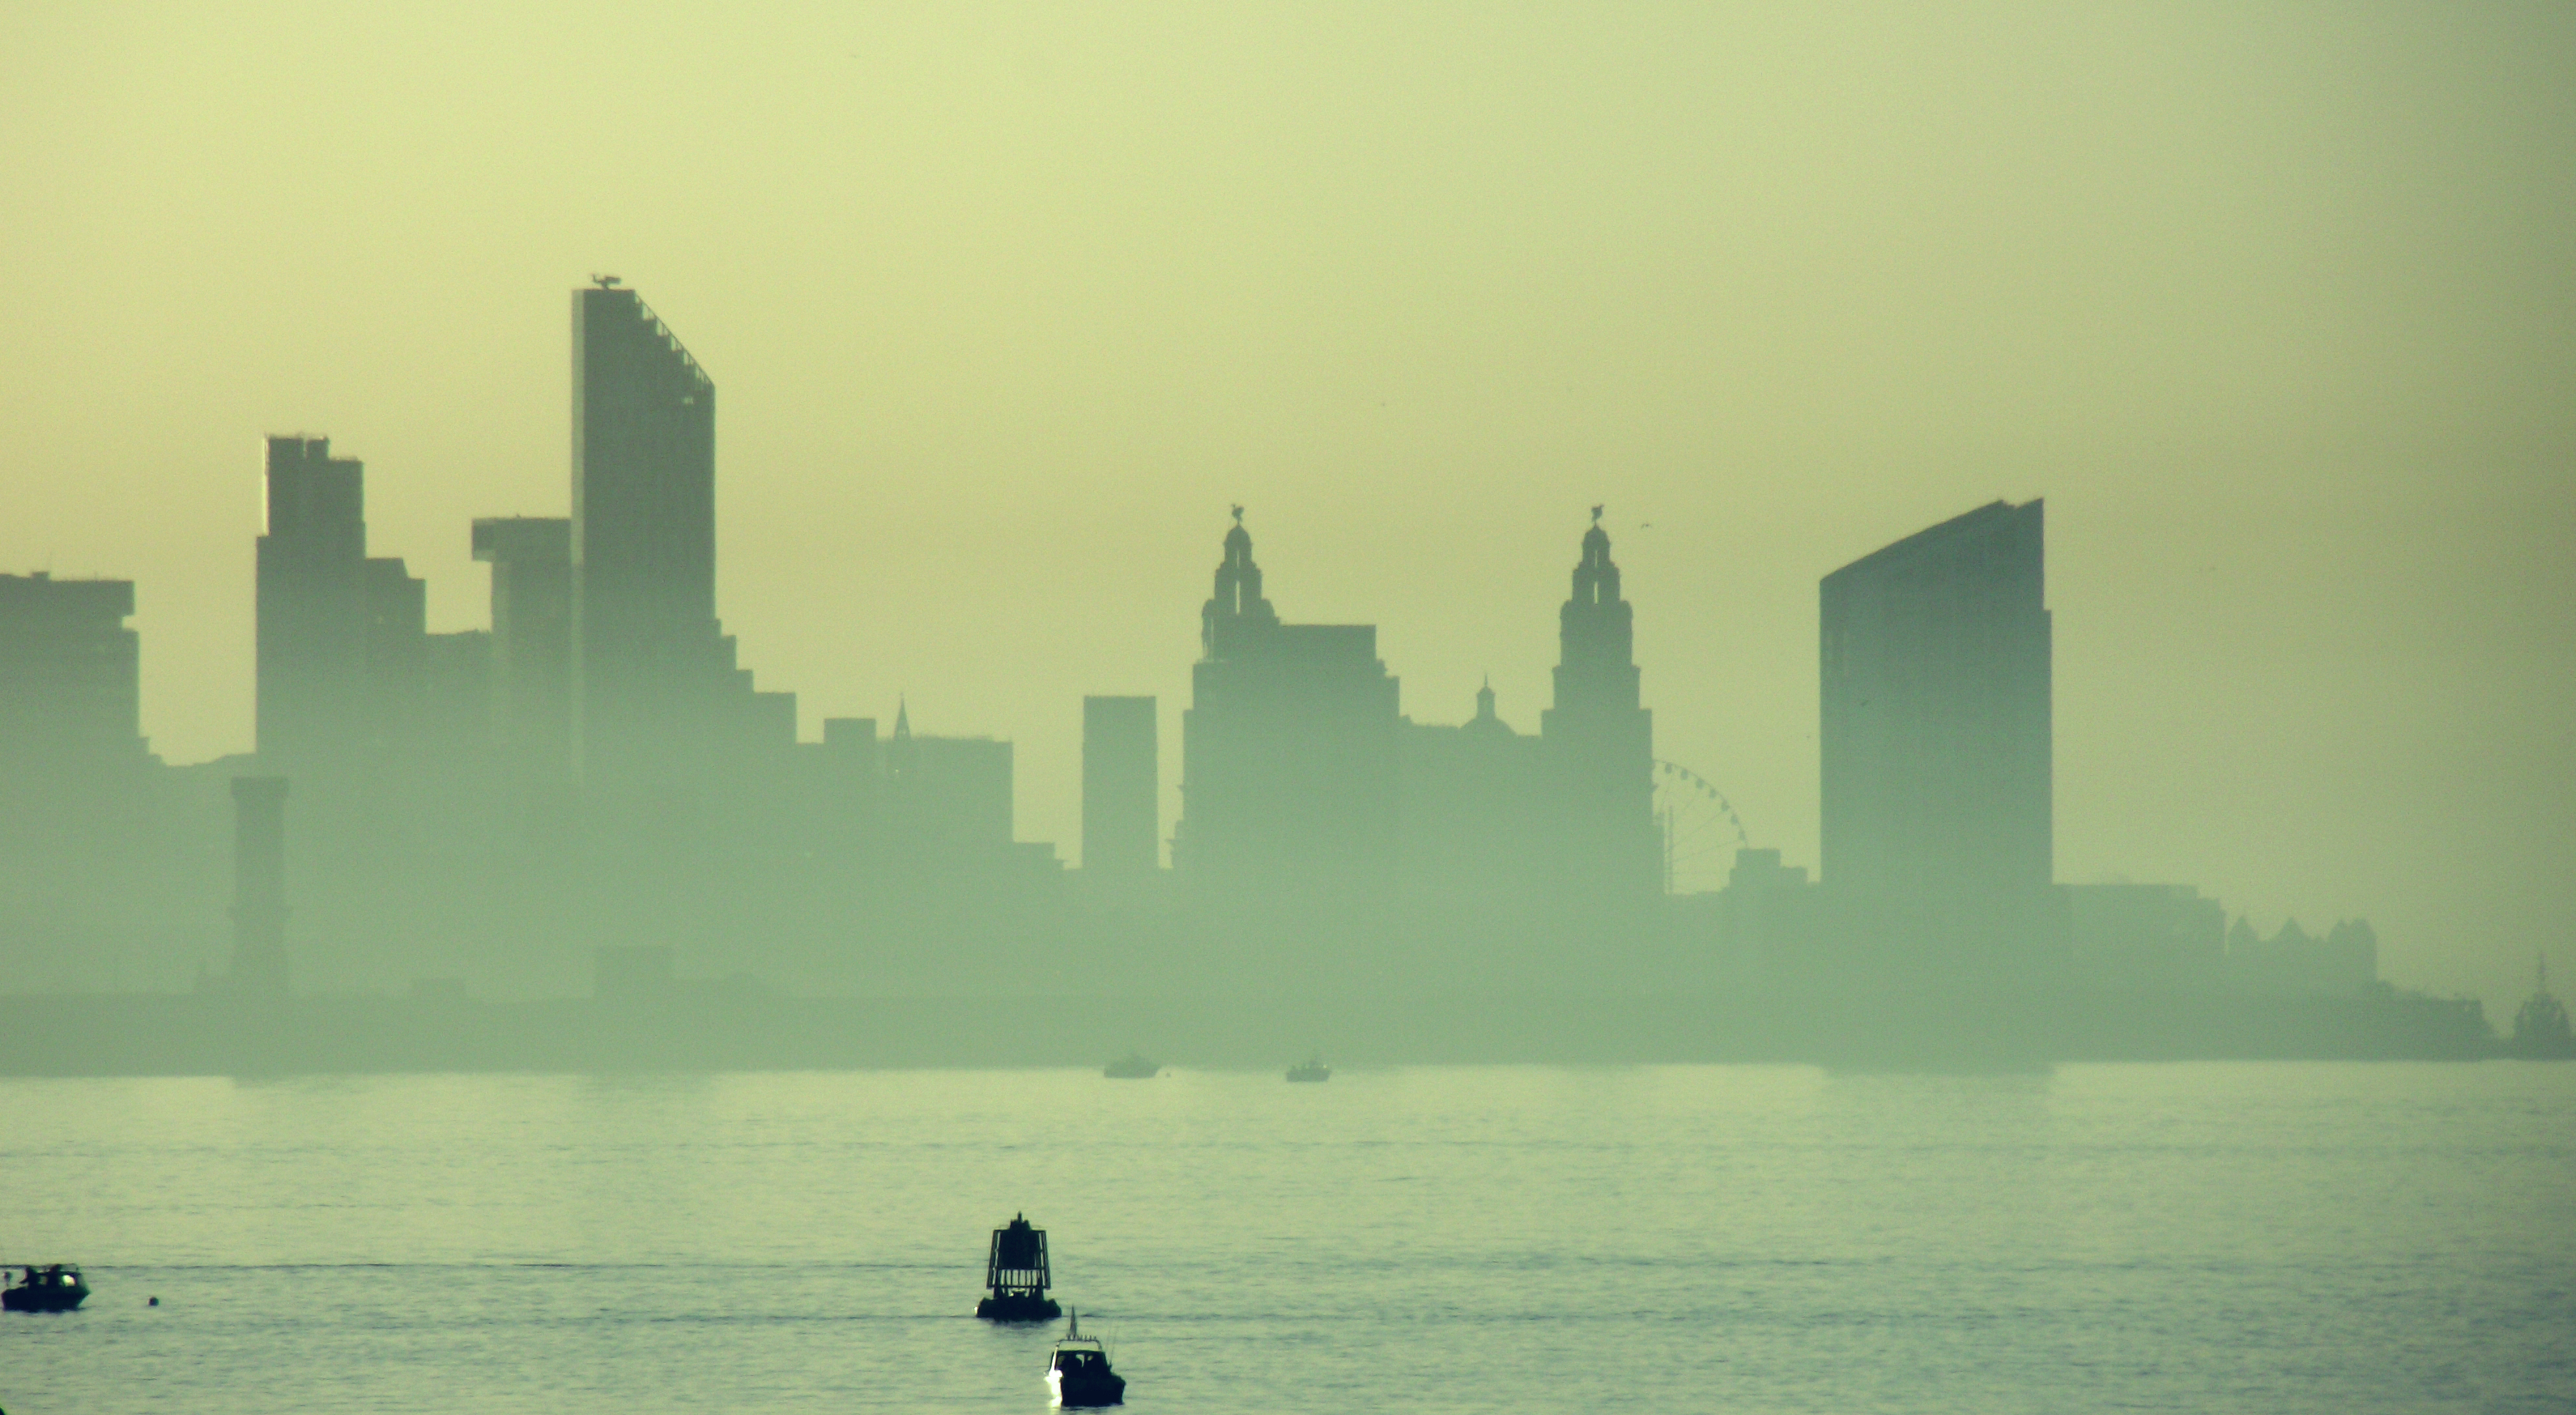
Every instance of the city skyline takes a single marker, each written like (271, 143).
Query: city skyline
(1068, 845)
(2297, 416)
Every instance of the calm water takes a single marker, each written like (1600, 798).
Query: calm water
(2191, 1238)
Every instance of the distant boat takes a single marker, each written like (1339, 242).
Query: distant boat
(1078, 1372)
(2540, 1029)
(1132, 1067)
(57, 1288)
(1313, 1069)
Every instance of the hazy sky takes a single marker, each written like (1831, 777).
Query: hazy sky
(2275, 304)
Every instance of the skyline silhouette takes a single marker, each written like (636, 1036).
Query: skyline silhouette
(593, 785)
(2285, 355)
(604, 693)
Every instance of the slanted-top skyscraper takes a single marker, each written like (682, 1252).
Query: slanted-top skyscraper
(1600, 742)
(1935, 741)
(649, 656)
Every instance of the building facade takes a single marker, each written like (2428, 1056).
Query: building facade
(1935, 748)
(1288, 759)
(1121, 795)
(70, 674)
(656, 688)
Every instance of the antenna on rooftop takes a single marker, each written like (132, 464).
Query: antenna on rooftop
(606, 282)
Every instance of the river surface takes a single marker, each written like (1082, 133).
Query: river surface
(2261, 1238)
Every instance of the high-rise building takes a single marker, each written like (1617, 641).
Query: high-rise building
(650, 661)
(1288, 756)
(312, 602)
(1935, 741)
(346, 663)
(531, 669)
(1121, 820)
(69, 674)
(1600, 742)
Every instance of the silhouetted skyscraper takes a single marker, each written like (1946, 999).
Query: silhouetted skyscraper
(313, 613)
(649, 656)
(1935, 738)
(69, 674)
(1120, 816)
(1288, 749)
(1600, 742)
(346, 663)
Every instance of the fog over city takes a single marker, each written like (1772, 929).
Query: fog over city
(1009, 306)
(1243, 707)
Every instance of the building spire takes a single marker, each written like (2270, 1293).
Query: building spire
(1595, 639)
(1237, 606)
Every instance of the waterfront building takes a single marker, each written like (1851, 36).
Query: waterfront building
(2296, 963)
(312, 602)
(1479, 837)
(1121, 802)
(656, 686)
(1935, 752)
(1600, 743)
(2154, 937)
(346, 666)
(70, 684)
(1288, 758)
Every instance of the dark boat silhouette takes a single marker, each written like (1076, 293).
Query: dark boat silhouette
(1078, 1372)
(1132, 1067)
(1312, 1069)
(55, 1288)
(1016, 1271)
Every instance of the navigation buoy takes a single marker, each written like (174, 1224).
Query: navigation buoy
(1017, 1273)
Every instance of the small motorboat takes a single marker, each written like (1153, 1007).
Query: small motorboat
(1078, 1373)
(1132, 1067)
(55, 1288)
(1313, 1069)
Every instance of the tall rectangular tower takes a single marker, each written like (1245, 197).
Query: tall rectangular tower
(70, 685)
(1935, 735)
(312, 601)
(1120, 815)
(648, 655)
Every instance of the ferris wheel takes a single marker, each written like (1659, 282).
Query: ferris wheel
(1700, 828)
